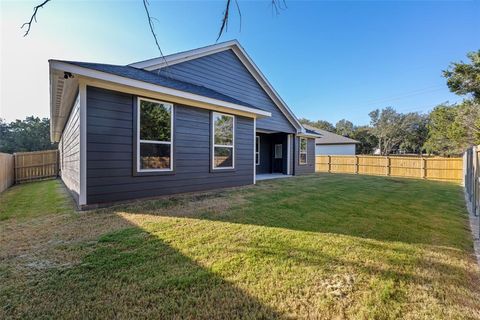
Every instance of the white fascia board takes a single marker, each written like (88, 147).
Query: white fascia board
(156, 63)
(173, 59)
(63, 66)
(308, 135)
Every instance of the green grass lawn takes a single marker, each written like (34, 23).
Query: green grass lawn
(33, 199)
(314, 247)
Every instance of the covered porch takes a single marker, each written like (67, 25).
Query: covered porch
(273, 155)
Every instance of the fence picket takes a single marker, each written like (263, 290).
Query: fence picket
(435, 168)
(35, 165)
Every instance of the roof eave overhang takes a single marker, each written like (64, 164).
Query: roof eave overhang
(335, 143)
(157, 63)
(115, 82)
(63, 92)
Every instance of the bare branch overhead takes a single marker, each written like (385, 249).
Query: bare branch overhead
(33, 17)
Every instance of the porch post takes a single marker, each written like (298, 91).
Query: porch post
(289, 154)
(254, 150)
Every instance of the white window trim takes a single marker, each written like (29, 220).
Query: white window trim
(257, 152)
(139, 99)
(222, 145)
(301, 152)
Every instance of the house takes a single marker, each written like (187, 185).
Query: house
(196, 120)
(332, 144)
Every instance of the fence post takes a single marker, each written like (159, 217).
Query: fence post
(356, 164)
(387, 168)
(424, 167)
(475, 180)
(329, 164)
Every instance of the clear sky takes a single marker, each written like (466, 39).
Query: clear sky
(327, 59)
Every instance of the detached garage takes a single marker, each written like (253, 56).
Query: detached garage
(332, 144)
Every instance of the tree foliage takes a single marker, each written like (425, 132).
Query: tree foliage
(453, 128)
(344, 128)
(31, 134)
(320, 124)
(464, 78)
(368, 142)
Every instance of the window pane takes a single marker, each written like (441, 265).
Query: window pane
(303, 145)
(155, 121)
(223, 157)
(257, 144)
(257, 158)
(303, 158)
(278, 151)
(154, 156)
(223, 129)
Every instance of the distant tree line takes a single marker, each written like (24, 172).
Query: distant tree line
(447, 130)
(31, 134)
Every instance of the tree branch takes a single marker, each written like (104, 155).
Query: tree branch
(224, 25)
(152, 27)
(33, 17)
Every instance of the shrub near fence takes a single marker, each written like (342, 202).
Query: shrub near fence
(431, 168)
(6, 171)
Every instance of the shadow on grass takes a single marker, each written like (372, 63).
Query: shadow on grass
(131, 273)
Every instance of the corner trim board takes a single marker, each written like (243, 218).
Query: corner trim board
(83, 144)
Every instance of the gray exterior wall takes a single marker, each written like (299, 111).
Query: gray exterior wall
(310, 166)
(225, 73)
(110, 154)
(69, 151)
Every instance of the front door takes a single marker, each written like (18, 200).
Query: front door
(278, 158)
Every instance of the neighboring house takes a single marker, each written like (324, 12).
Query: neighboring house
(191, 121)
(332, 144)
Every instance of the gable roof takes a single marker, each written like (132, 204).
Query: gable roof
(63, 90)
(155, 78)
(327, 137)
(234, 45)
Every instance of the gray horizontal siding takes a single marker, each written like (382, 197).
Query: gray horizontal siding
(225, 73)
(110, 150)
(69, 151)
(310, 166)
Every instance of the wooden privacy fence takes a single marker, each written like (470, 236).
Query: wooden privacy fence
(431, 168)
(6, 171)
(472, 178)
(35, 165)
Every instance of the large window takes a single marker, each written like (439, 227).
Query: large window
(154, 135)
(257, 150)
(303, 150)
(223, 141)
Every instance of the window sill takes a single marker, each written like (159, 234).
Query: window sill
(212, 170)
(153, 173)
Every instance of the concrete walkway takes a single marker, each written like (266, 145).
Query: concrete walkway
(268, 176)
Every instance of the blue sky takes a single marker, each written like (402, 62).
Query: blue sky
(327, 59)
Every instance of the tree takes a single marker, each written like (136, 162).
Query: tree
(31, 134)
(453, 128)
(464, 78)
(387, 126)
(320, 124)
(344, 128)
(415, 132)
(368, 142)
